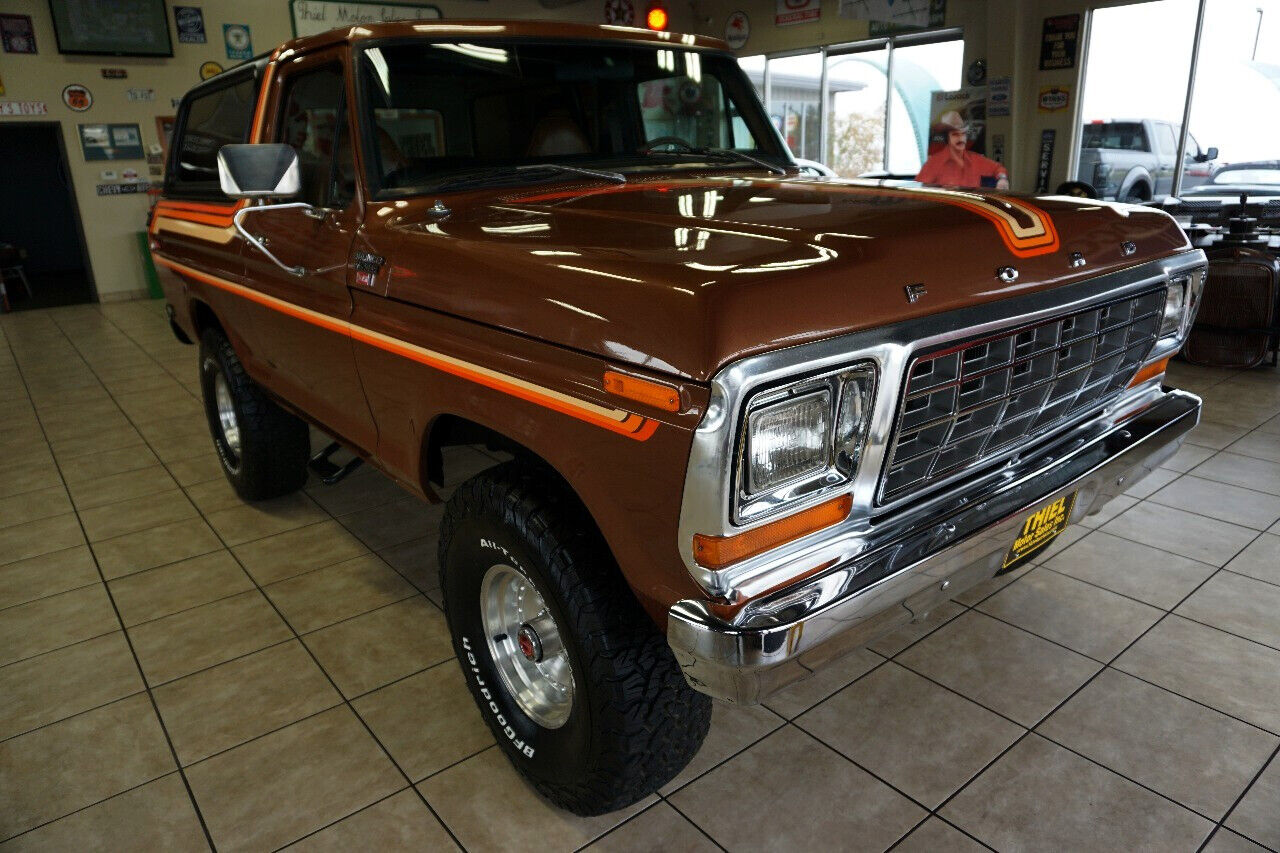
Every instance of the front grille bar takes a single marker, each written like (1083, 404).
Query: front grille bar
(967, 405)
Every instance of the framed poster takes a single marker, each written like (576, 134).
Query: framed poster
(111, 142)
(1058, 42)
(17, 34)
(315, 16)
(119, 28)
(189, 22)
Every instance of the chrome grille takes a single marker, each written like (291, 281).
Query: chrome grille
(967, 405)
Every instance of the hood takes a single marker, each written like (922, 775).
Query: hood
(683, 276)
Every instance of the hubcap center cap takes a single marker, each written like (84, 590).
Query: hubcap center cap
(529, 642)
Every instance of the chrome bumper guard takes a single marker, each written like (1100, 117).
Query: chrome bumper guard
(789, 634)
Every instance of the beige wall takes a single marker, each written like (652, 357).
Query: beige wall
(110, 222)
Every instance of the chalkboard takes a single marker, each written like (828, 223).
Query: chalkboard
(118, 28)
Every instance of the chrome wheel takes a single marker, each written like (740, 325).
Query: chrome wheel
(525, 645)
(227, 421)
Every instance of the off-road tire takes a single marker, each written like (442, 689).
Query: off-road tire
(274, 444)
(634, 723)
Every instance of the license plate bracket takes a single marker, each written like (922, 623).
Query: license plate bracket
(1038, 531)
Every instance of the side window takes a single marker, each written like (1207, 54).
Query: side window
(212, 120)
(1165, 132)
(313, 121)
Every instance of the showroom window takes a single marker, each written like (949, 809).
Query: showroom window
(1218, 74)
(860, 108)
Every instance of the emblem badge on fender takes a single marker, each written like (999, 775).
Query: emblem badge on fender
(914, 292)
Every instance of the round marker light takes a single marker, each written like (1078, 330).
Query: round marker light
(656, 19)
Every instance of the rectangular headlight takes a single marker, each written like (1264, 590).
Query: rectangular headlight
(1175, 307)
(788, 440)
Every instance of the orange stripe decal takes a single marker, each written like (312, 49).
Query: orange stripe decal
(622, 422)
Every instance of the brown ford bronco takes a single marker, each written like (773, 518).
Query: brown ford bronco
(755, 420)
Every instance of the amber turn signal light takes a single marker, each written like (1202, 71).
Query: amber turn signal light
(717, 552)
(650, 393)
(1152, 370)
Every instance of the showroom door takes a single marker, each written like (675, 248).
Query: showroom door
(49, 247)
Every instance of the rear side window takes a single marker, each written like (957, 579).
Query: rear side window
(1115, 135)
(212, 120)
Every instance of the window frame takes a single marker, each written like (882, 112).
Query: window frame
(176, 189)
(326, 61)
(889, 42)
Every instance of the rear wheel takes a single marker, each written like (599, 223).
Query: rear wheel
(573, 678)
(263, 448)
(1137, 194)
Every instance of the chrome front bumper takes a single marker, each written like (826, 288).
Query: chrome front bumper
(785, 636)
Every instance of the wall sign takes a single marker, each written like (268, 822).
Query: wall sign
(797, 12)
(140, 94)
(1053, 99)
(23, 108)
(114, 73)
(315, 16)
(77, 97)
(1047, 138)
(17, 34)
(620, 13)
(207, 70)
(999, 97)
(123, 189)
(239, 43)
(1059, 41)
(111, 142)
(737, 29)
(189, 22)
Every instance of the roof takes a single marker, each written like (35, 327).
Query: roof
(481, 29)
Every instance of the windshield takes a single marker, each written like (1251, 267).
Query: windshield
(435, 109)
(1115, 135)
(1268, 176)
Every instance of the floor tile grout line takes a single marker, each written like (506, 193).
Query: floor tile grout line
(74, 714)
(321, 829)
(1072, 695)
(1158, 607)
(155, 708)
(345, 702)
(175, 772)
(1221, 823)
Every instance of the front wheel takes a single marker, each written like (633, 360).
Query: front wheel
(578, 686)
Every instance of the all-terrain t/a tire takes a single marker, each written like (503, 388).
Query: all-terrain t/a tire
(575, 681)
(263, 448)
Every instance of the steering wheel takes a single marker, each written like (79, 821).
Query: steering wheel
(655, 144)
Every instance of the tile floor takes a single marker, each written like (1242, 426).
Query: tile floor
(180, 670)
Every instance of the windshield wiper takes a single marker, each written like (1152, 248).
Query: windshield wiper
(515, 175)
(723, 153)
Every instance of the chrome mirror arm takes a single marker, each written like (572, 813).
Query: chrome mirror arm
(259, 244)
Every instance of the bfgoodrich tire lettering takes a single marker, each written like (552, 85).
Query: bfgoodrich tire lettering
(634, 722)
(263, 448)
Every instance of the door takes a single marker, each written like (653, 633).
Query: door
(312, 363)
(47, 245)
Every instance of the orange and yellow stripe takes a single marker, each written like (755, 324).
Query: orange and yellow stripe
(625, 423)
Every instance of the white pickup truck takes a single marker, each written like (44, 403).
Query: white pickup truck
(1133, 159)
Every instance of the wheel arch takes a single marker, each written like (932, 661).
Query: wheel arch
(1136, 176)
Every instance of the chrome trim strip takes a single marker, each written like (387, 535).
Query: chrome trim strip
(781, 638)
(707, 505)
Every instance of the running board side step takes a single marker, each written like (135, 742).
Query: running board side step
(327, 470)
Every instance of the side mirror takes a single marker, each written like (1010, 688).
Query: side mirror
(1211, 154)
(257, 171)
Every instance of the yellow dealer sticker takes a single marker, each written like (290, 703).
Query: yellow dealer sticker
(1040, 528)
